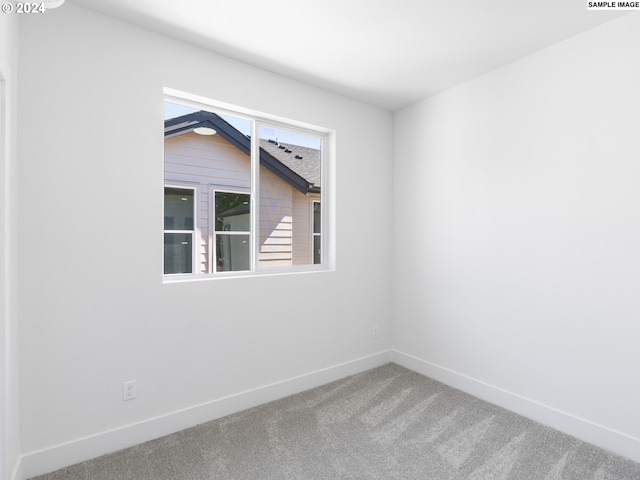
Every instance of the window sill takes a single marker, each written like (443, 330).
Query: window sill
(182, 278)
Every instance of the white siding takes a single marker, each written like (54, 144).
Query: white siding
(203, 230)
(302, 245)
(207, 160)
(276, 217)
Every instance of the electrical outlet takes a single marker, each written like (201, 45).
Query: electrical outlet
(129, 390)
(375, 332)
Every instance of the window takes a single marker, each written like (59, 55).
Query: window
(242, 192)
(232, 231)
(178, 230)
(317, 239)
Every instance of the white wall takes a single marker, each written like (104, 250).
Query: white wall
(93, 309)
(516, 234)
(9, 385)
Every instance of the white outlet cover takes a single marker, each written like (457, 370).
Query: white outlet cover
(129, 390)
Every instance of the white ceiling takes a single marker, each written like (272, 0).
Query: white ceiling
(388, 53)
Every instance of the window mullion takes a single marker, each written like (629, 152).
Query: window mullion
(255, 195)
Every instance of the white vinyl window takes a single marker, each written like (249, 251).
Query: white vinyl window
(252, 184)
(179, 214)
(317, 235)
(231, 231)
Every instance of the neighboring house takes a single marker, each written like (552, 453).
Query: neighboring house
(207, 177)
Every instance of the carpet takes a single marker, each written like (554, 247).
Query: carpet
(386, 423)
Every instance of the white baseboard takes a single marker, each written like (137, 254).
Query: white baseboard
(586, 430)
(59, 456)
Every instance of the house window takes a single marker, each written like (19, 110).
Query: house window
(232, 231)
(317, 238)
(254, 187)
(178, 230)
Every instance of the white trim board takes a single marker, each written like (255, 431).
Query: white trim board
(586, 430)
(5, 274)
(79, 450)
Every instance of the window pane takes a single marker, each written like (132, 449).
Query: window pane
(290, 179)
(178, 248)
(317, 252)
(232, 252)
(317, 220)
(178, 208)
(232, 212)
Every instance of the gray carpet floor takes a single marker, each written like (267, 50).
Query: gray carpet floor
(386, 423)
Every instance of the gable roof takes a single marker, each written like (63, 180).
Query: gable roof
(296, 165)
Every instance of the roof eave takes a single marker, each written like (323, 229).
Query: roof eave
(236, 138)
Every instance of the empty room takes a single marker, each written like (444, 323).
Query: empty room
(319, 239)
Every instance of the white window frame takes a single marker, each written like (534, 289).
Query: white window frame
(194, 232)
(327, 194)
